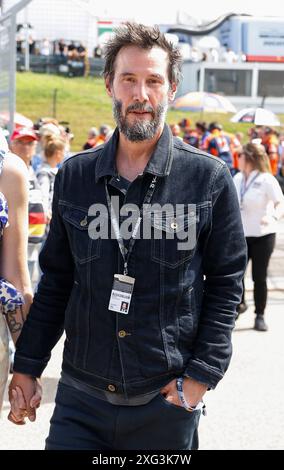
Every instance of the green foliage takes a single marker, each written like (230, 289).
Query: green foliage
(80, 101)
(83, 102)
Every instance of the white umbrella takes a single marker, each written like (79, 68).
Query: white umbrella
(257, 116)
(19, 120)
(203, 101)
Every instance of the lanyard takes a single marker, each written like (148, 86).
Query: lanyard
(245, 188)
(115, 225)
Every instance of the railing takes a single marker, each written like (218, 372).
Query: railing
(61, 65)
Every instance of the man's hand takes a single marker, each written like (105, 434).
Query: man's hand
(25, 395)
(193, 392)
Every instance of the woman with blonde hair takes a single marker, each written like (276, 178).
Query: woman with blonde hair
(262, 205)
(53, 151)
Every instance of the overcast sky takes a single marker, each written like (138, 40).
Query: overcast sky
(164, 11)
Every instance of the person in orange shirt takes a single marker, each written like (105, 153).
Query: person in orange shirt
(104, 132)
(219, 144)
(235, 145)
(271, 144)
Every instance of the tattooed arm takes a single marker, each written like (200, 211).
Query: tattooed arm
(14, 266)
(15, 321)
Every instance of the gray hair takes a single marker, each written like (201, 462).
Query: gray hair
(145, 37)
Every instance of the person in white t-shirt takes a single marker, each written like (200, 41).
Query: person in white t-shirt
(262, 205)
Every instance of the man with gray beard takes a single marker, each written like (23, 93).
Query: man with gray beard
(140, 130)
(148, 306)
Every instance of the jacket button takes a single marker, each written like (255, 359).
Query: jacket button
(84, 222)
(122, 334)
(111, 388)
(174, 224)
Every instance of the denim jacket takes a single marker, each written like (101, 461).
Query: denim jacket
(183, 305)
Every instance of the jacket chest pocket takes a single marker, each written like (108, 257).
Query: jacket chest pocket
(174, 236)
(83, 247)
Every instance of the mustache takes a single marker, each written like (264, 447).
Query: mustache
(140, 107)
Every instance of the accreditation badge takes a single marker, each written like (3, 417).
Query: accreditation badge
(121, 293)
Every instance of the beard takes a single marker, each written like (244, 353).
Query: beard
(141, 129)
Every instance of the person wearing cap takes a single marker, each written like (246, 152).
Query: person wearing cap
(218, 143)
(23, 144)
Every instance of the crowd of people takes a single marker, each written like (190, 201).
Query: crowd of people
(225, 55)
(73, 50)
(61, 52)
(76, 50)
(42, 149)
(212, 138)
(48, 144)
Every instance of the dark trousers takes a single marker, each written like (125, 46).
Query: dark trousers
(82, 422)
(259, 251)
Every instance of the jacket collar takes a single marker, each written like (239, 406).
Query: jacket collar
(159, 164)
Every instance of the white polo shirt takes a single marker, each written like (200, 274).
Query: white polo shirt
(258, 196)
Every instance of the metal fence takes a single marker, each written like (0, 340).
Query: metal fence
(56, 64)
(8, 64)
(7, 71)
